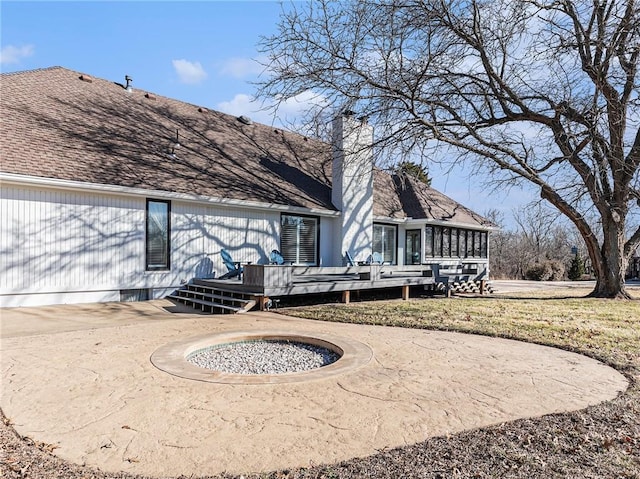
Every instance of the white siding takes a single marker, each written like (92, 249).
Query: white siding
(63, 241)
(200, 232)
(59, 246)
(330, 254)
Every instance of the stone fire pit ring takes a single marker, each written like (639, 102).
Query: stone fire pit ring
(172, 357)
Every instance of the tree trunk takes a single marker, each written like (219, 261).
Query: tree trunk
(610, 263)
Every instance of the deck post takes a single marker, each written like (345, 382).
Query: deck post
(263, 301)
(405, 292)
(483, 284)
(346, 297)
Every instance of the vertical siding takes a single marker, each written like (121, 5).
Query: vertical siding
(200, 232)
(330, 243)
(54, 241)
(57, 240)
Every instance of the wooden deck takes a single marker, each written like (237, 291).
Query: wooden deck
(273, 281)
(262, 283)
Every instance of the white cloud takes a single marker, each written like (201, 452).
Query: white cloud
(243, 104)
(289, 110)
(189, 72)
(242, 67)
(12, 54)
(300, 103)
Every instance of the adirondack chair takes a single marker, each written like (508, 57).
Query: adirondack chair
(276, 257)
(375, 258)
(350, 261)
(233, 266)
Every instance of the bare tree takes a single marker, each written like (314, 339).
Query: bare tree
(539, 238)
(539, 228)
(537, 91)
(507, 260)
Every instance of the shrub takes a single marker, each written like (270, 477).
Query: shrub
(538, 272)
(547, 271)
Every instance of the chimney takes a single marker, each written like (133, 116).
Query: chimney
(352, 191)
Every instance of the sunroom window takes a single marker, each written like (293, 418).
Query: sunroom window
(443, 242)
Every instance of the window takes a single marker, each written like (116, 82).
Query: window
(476, 244)
(412, 247)
(446, 242)
(437, 241)
(462, 244)
(299, 239)
(443, 242)
(484, 250)
(384, 242)
(469, 250)
(454, 242)
(428, 242)
(127, 295)
(158, 235)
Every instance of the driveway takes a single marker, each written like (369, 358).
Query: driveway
(503, 286)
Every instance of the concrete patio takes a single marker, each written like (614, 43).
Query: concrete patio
(79, 377)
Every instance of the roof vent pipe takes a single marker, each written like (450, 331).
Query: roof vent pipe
(128, 86)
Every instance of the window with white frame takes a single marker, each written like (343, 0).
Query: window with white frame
(299, 239)
(384, 242)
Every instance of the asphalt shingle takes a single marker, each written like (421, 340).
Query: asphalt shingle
(57, 123)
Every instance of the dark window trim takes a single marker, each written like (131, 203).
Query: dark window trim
(393, 225)
(406, 234)
(475, 241)
(318, 222)
(167, 267)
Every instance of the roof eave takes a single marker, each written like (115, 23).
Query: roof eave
(70, 185)
(459, 224)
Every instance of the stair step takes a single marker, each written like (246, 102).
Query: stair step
(214, 289)
(227, 288)
(184, 292)
(201, 302)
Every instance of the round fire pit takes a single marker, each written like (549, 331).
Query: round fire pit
(262, 357)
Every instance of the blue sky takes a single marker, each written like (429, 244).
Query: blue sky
(201, 52)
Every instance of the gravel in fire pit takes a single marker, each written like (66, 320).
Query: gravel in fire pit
(263, 357)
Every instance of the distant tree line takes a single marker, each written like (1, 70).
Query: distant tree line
(541, 246)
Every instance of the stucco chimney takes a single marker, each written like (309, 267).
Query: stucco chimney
(352, 192)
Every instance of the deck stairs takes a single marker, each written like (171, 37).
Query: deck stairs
(468, 286)
(214, 299)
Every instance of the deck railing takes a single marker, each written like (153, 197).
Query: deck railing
(282, 276)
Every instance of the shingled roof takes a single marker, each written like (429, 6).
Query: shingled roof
(61, 124)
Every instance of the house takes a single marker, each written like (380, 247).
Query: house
(112, 193)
